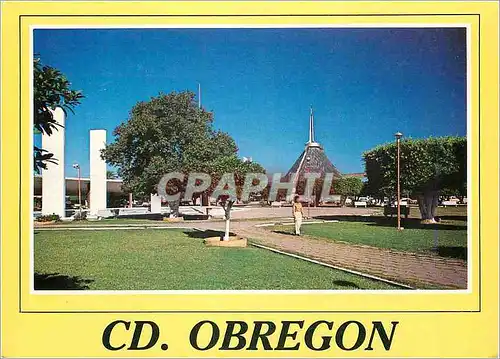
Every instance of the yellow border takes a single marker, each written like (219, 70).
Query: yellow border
(420, 334)
(255, 302)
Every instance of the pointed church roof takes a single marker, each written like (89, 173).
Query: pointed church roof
(313, 159)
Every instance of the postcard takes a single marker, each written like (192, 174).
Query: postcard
(250, 179)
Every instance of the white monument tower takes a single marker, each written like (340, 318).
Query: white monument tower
(53, 182)
(98, 181)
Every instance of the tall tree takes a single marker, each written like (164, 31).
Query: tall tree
(51, 90)
(428, 166)
(168, 133)
(348, 186)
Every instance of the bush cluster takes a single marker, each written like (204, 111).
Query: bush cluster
(49, 218)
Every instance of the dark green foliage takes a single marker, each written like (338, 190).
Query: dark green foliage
(42, 157)
(348, 186)
(169, 133)
(430, 164)
(51, 89)
(48, 218)
(232, 164)
(116, 200)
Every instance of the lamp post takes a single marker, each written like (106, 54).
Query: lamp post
(308, 202)
(398, 136)
(77, 167)
(308, 158)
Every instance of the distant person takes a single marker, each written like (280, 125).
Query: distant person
(298, 213)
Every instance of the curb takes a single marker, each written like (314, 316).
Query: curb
(365, 275)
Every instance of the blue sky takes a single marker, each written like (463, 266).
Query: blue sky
(364, 84)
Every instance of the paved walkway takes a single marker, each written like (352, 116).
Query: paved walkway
(417, 270)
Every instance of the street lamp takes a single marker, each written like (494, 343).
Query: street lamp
(77, 167)
(308, 158)
(308, 202)
(398, 136)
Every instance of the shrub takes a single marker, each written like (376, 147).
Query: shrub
(49, 218)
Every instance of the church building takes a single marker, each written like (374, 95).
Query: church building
(312, 160)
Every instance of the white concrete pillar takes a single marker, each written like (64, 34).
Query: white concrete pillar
(53, 182)
(155, 203)
(98, 185)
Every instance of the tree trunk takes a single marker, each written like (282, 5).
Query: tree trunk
(174, 209)
(427, 203)
(226, 232)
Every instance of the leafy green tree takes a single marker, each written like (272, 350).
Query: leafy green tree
(348, 186)
(232, 164)
(51, 90)
(166, 134)
(237, 170)
(428, 166)
(169, 133)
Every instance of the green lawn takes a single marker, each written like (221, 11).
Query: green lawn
(450, 235)
(172, 259)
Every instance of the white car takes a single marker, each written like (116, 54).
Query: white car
(402, 202)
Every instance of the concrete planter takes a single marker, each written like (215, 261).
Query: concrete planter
(234, 242)
(428, 221)
(41, 224)
(173, 220)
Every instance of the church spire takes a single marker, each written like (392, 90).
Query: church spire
(311, 126)
(312, 142)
